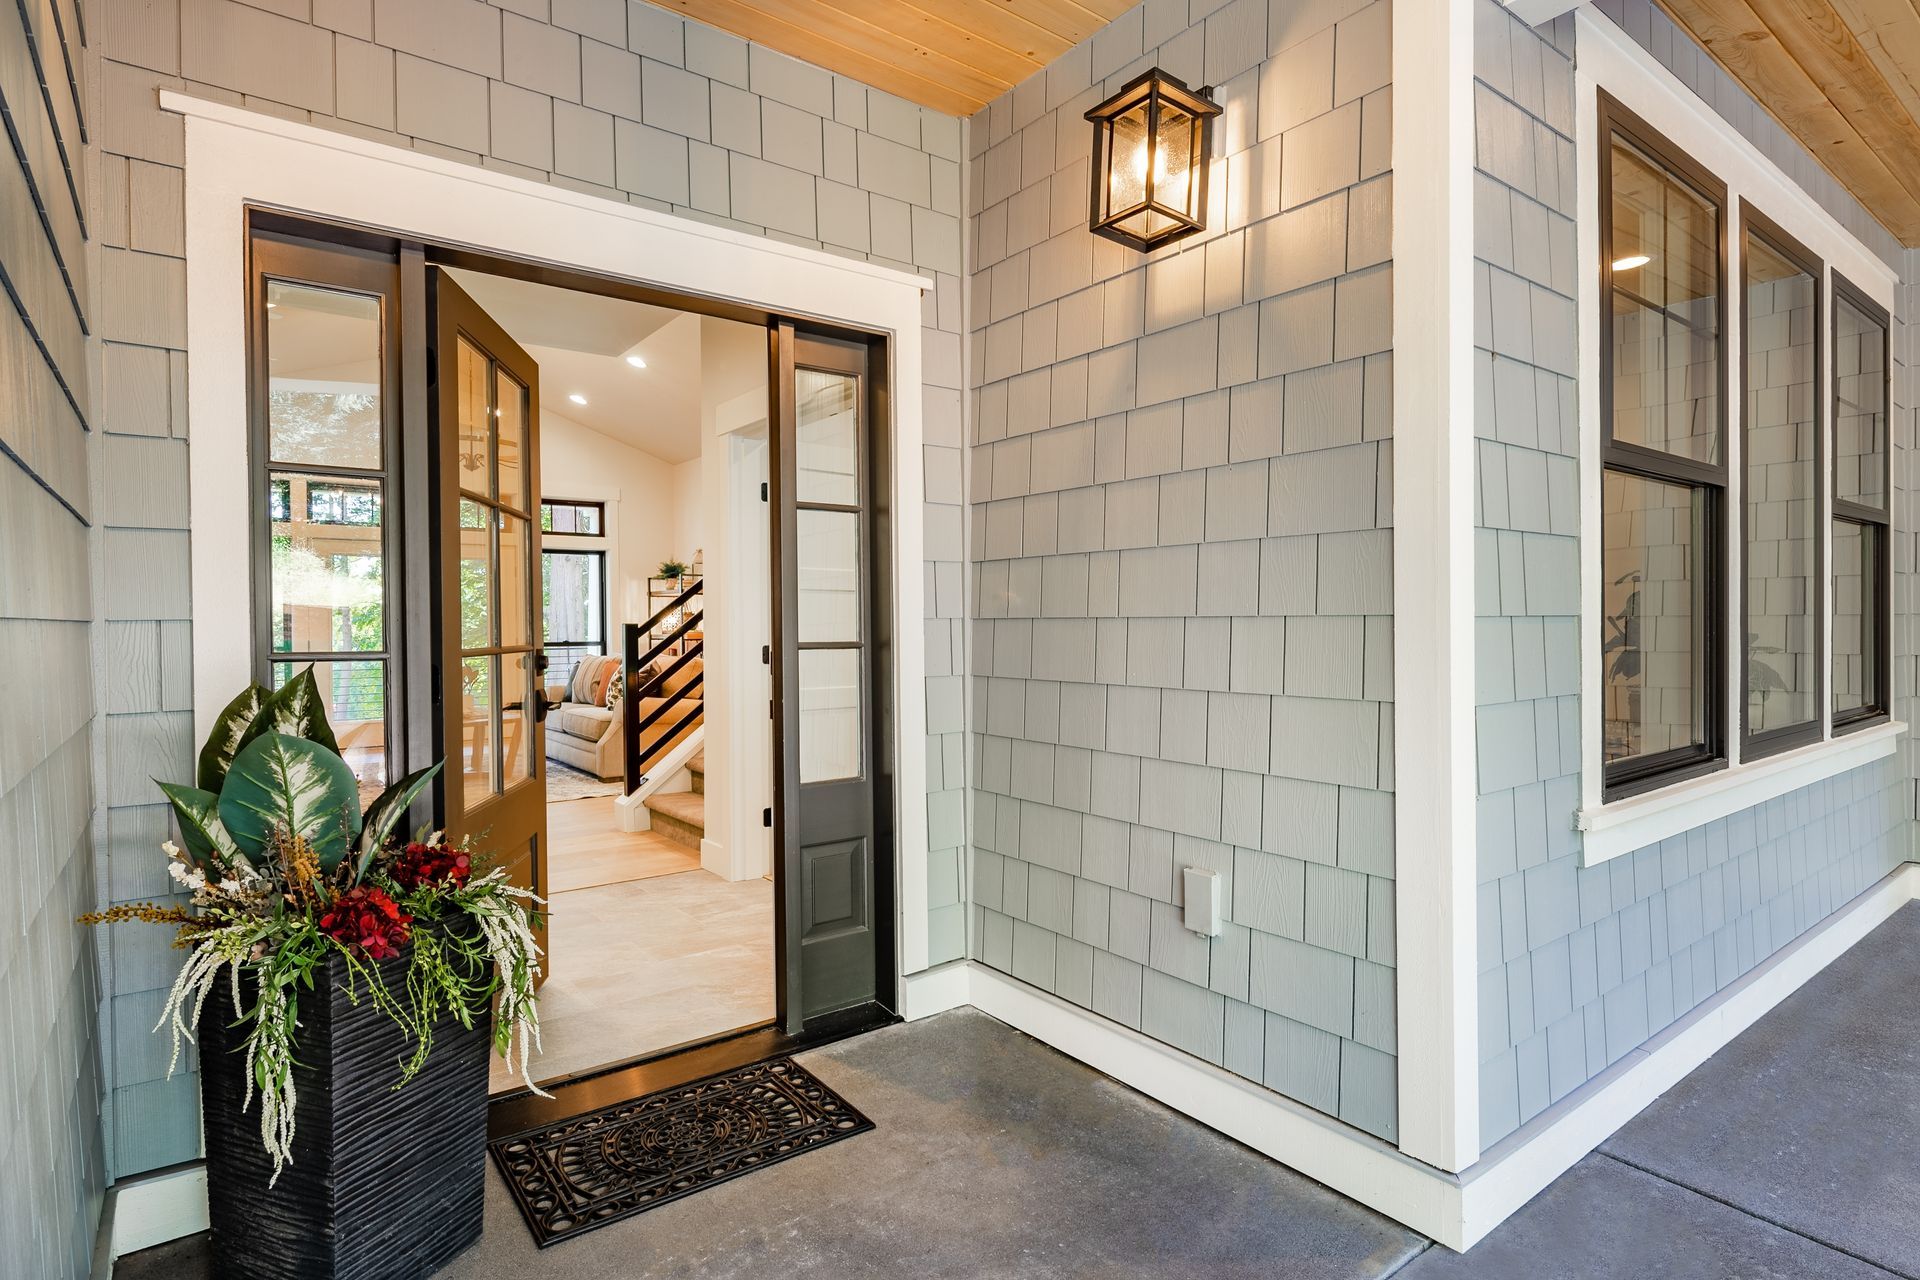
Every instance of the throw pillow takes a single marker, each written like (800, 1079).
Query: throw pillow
(580, 688)
(616, 686)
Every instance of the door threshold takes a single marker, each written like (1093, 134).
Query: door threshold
(515, 1113)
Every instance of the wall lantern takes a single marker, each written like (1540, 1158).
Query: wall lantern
(1151, 143)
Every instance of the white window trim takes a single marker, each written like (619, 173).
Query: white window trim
(1611, 61)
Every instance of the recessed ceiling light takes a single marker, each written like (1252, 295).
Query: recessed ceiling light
(637, 362)
(577, 398)
(1631, 261)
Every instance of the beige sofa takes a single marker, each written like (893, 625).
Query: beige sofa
(593, 738)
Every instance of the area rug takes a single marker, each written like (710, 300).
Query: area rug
(571, 1177)
(564, 782)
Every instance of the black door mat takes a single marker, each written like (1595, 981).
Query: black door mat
(623, 1159)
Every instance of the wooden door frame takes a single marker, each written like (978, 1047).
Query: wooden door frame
(240, 162)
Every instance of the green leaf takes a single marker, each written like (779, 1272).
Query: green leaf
(279, 780)
(205, 835)
(297, 710)
(384, 814)
(230, 733)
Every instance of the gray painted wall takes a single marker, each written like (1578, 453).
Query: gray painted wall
(1181, 484)
(618, 99)
(49, 1060)
(1579, 966)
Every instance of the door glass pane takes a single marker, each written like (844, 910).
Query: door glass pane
(511, 408)
(476, 576)
(476, 419)
(1782, 680)
(328, 592)
(829, 714)
(827, 435)
(829, 575)
(479, 715)
(356, 701)
(1653, 650)
(516, 696)
(323, 383)
(1665, 256)
(1860, 418)
(1856, 624)
(516, 600)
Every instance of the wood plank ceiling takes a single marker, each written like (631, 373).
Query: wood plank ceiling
(952, 55)
(1843, 76)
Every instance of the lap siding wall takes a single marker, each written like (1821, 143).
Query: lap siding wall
(1181, 529)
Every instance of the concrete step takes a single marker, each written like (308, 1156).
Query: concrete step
(680, 816)
(698, 768)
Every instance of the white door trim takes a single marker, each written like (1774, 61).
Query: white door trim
(237, 158)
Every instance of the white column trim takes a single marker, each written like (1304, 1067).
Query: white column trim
(238, 158)
(1433, 567)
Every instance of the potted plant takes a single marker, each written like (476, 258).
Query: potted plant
(331, 961)
(673, 571)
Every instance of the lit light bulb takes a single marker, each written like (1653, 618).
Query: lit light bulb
(637, 362)
(577, 398)
(1631, 262)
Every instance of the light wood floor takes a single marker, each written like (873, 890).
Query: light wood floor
(587, 848)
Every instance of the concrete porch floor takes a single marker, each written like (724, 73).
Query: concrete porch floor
(1792, 1153)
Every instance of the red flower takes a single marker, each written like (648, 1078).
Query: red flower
(420, 865)
(367, 918)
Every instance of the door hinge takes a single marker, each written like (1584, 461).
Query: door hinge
(766, 655)
(766, 817)
(763, 491)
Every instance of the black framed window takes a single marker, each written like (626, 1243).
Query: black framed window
(579, 519)
(1664, 449)
(573, 598)
(324, 393)
(1781, 445)
(1861, 670)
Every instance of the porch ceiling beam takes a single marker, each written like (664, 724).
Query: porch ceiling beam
(1805, 63)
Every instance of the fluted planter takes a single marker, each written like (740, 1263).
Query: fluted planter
(385, 1183)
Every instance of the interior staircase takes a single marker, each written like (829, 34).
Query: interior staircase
(681, 816)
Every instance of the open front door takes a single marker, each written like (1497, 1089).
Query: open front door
(487, 671)
(832, 647)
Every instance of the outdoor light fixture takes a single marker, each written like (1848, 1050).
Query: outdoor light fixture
(1151, 142)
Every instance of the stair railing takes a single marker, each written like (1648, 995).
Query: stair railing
(688, 603)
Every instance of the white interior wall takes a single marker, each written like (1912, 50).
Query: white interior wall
(639, 490)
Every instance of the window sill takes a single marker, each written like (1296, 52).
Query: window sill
(1609, 830)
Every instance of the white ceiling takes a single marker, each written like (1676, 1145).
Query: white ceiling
(581, 342)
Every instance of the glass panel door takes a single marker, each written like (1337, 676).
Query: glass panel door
(491, 710)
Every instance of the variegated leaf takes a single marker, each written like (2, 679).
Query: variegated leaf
(206, 836)
(385, 813)
(279, 780)
(230, 732)
(298, 710)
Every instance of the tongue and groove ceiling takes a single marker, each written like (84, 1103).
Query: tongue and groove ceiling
(952, 55)
(1843, 76)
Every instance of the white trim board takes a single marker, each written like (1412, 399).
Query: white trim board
(237, 158)
(1458, 1210)
(1434, 770)
(153, 1210)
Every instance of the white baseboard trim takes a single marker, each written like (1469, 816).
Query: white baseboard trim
(1521, 1165)
(153, 1210)
(1458, 1210)
(936, 990)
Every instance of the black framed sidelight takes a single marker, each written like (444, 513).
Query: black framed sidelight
(1861, 668)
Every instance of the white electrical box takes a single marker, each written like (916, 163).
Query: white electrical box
(1202, 889)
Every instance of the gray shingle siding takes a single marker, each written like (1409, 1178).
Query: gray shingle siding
(1579, 966)
(1181, 484)
(50, 967)
(620, 100)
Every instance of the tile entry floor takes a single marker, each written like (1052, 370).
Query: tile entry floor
(654, 952)
(1792, 1153)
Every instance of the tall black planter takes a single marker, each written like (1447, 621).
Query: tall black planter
(385, 1184)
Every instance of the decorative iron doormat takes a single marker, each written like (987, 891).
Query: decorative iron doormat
(610, 1164)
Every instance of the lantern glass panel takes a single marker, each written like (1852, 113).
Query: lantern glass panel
(1173, 160)
(1127, 161)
